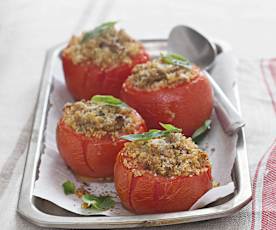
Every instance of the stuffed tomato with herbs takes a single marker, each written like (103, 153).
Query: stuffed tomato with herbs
(169, 90)
(99, 61)
(161, 171)
(88, 134)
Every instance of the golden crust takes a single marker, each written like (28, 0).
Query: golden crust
(173, 155)
(155, 74)
(97, 119)
(109, 49)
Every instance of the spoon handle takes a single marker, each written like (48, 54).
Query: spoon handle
(227, 114)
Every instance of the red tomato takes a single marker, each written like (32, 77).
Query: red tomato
(89, 157)
(157, 194)
(86, 80)
(186, 105)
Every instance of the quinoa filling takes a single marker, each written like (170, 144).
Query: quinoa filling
(97, 119)
(111, 48)
(156, 74)
(169, 156)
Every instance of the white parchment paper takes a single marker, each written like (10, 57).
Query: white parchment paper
(53, 172)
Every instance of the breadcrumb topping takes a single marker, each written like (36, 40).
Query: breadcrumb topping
(98, 119)
(172, 155)
(155, 74)
(109, 49)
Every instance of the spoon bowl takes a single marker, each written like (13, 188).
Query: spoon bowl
(188, 42)
(199, 50)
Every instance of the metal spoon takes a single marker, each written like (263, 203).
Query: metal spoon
(193, 45)
(199, 50)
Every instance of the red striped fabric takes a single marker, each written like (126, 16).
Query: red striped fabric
(264, 191)
(267, 78)
(269, 192)
(264, 182)
(272, 67)
(254, 200)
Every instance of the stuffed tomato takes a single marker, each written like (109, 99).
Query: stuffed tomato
(169, 90)
(99, 61)
(88, 135)
(164, 174)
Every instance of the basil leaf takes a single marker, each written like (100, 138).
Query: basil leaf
(176, 59)
(109, 100)
(170, 127)
(98, 202)
(69, 187)
(89, 199)
(97, 31)
(144, 136)
(179, 57)
(152, 133)
(105, 202)
(201, 131)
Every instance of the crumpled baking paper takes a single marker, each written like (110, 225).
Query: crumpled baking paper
(53, 172)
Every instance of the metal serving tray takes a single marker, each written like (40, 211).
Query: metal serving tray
(46, 214)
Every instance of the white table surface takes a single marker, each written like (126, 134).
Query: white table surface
(28, 28)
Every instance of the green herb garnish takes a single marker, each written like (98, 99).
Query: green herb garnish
(109, 100)
(69, 187)
(201, 131)
(101, 203)
(152, 133)
(97, 31)
(176, 59)
(170, 127)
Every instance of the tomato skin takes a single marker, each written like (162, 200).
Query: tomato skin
(148, 194)
(186, 105)
(87, 79)
(89, 157)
